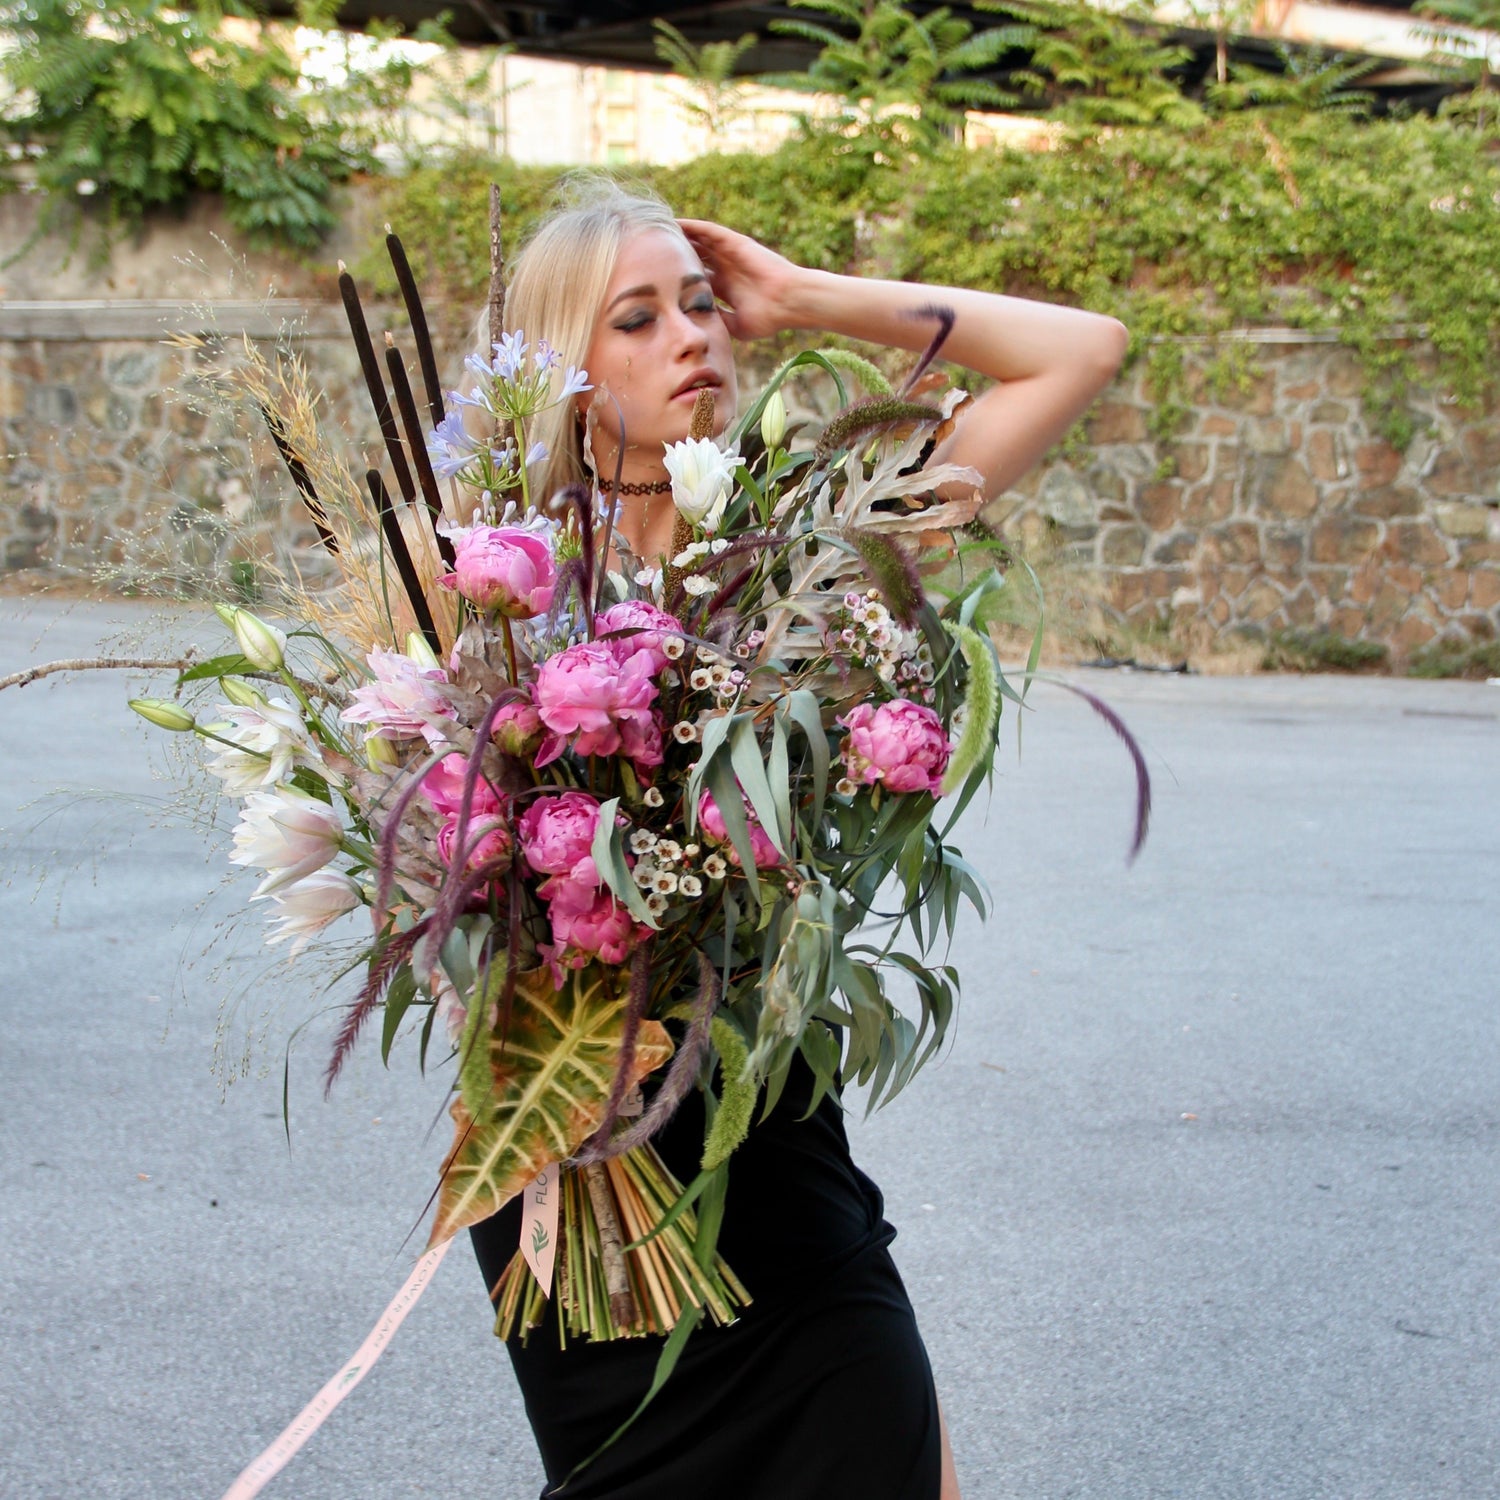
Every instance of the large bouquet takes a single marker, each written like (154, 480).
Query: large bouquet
(624, 826)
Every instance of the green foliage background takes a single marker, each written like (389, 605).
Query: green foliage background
(1313, 221)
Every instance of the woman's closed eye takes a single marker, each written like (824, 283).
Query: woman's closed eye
(700, 306)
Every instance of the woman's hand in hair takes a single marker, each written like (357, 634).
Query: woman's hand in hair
(753, 285)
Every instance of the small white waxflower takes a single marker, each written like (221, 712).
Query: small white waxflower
(852, 601)
(857, 613)
(715, 867)
(672, 646)
(642, 841)
(707, 655)
(697, 585)
(719, 675)
(885, 671)
(644, 874)
(718, 545)
(924, 672)
(690, 886)
(691, 852)
(742, 651)
(652, 797)
(665, 883)
(656, 905)
(880, 635)
(845, 787)
(699, 680)
(755, 638)
(684, 732)
(668, 851)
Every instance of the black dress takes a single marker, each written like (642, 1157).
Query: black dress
(821, 1390)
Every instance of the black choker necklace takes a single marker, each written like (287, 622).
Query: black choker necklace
(643, 487)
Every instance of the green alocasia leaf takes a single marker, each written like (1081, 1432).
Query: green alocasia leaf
(550, 1081)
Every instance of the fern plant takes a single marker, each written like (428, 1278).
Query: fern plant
(1308, 82)
(899, 78)
(1100, 69)
(140, 102)
(710, 70)
(1465, 42)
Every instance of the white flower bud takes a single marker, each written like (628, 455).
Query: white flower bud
(773, 420)
(164, 714)
(419, 651)
(262, 645)
(240, 693)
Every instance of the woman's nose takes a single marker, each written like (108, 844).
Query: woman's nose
(690, 334)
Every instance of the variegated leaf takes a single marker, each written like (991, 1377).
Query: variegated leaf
(552, 1078)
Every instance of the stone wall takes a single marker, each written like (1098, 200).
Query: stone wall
(1277, 507)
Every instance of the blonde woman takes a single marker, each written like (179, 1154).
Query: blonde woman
(822, 1390)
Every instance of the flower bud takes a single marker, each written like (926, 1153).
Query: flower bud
(380, 754)
(262, 645)
(240, 693)
(164, 714)
(227, 612)
(419, 651)
(773, 420)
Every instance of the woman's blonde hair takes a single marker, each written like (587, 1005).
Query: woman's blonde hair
(557, 289)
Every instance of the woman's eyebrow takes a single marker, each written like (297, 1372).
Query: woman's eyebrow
(650, 291)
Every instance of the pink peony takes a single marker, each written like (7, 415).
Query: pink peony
(503, 568)
(404, 701)
(900, 744)
(556, 836)
(487, 840)
(517, 729)
(644, 627)
(761, 848)
(586, 692)
(443, 786)
(588, 922)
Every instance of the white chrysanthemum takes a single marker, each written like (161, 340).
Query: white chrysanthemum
(702, 477)
(287, 834)
(308, 905)
(272, 742)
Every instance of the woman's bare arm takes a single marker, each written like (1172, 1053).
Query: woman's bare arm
(1050, 362)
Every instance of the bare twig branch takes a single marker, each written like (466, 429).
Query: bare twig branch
(94, 663)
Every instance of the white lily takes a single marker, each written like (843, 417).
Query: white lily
(702, 476)
(308, 905)
(272, 741)
(287, 834)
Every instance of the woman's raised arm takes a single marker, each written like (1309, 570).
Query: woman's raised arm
(1050, 362)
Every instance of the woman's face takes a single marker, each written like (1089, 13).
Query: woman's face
(658, 340)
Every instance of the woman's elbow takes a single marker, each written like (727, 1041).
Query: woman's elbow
(1108, 348)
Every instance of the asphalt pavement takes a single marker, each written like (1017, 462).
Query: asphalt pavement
(1201, 1202)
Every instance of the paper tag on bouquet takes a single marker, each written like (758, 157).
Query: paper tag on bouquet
(539, 1224)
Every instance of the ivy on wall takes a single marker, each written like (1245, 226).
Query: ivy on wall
(1310, 221)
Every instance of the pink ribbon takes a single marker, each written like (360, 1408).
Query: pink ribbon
(312, 1416)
